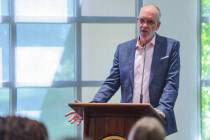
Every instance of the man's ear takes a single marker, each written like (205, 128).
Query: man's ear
(158, 25)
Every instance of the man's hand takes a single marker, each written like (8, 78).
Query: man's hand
(74, 117)
(160, 113)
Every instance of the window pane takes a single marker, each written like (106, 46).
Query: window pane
(4, 8)
(44, 10)
(4, 53)
(205, 54)
(108, 8)
(4, 101)
(48, 105)
(89, 92)
(45, 53)
(99, 42)
(205, 115)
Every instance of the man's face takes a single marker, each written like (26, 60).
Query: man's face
(147, 23)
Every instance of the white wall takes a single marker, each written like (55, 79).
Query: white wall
(179, 21)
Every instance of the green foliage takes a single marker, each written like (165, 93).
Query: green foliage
(205, 51)
(205, 113)
(205, 71)
(205, 4)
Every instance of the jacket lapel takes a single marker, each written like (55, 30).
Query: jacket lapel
(131, 60)
(156, 57)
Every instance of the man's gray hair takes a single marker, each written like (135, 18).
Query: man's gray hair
(156, 7)
(158, 12)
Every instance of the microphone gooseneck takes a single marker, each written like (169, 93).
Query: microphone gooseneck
(142, 79)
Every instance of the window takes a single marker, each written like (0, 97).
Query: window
(205, 69)
(51, 54)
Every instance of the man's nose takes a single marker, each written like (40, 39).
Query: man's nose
(144, 24)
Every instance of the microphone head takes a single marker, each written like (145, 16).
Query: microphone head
(143, 42)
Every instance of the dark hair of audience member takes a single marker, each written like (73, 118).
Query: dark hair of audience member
(2, 130)
(22, 128)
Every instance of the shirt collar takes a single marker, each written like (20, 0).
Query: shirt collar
(151, 43)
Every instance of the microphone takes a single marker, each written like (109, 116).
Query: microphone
(142, 78)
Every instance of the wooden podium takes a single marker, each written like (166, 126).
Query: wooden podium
(107, 121)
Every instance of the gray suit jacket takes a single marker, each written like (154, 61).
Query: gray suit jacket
(163, 82)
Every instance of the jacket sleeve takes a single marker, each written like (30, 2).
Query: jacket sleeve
(112, 82)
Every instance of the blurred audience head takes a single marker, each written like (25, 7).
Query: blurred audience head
(22, 128)
(71, 138)
(147, 128)
(2, 130)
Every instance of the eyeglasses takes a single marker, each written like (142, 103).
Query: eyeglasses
(148, 22)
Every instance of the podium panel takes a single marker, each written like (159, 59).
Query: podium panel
(107, 121)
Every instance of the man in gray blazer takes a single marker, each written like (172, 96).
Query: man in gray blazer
(146, 68)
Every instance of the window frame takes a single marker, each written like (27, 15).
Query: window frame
(78, 20)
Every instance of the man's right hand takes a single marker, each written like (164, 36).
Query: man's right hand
(74, 117)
